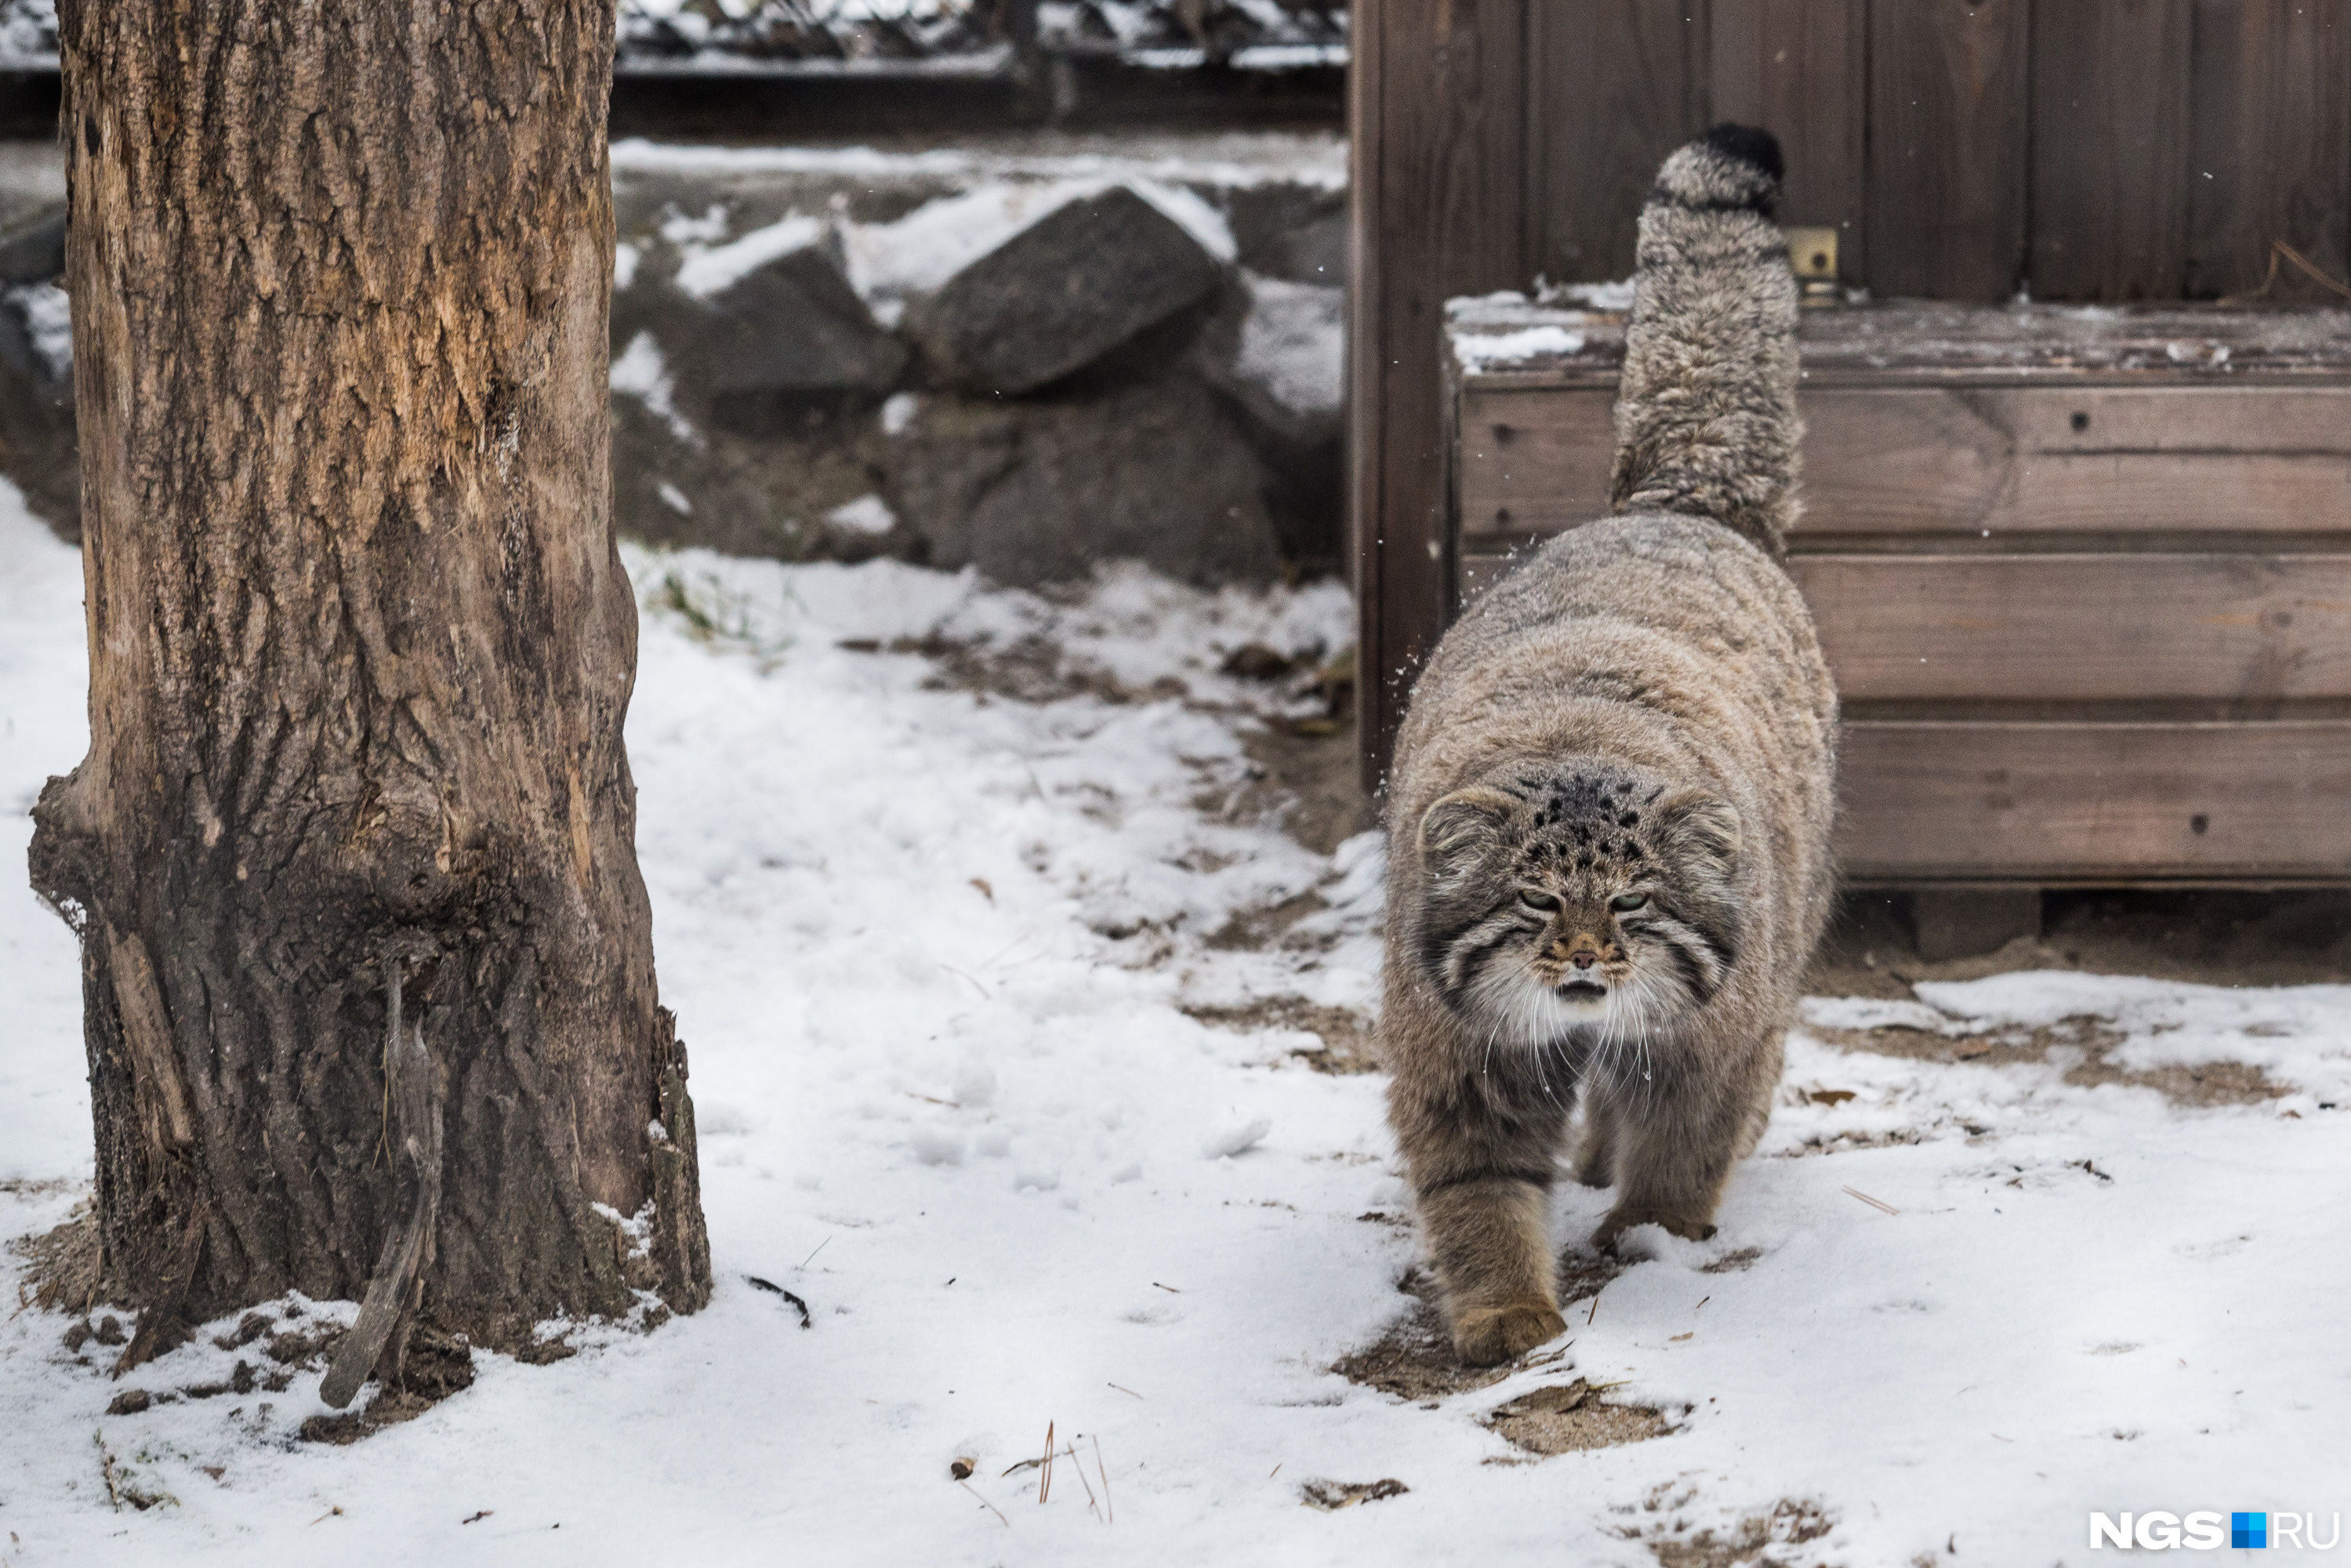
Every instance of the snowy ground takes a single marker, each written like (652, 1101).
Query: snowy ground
(932, 948)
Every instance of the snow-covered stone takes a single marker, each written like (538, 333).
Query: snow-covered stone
(1082, 280)
(787, 331)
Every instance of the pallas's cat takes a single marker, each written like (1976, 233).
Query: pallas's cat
(1610, 810)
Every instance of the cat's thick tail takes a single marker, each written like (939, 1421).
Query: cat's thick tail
(1706, 414)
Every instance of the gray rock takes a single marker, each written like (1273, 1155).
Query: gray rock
(38, 448)
(34, 252)
(1040, 491)
(1279, 350)
(1297, 231)
(773, 495)
(1085, 279)
(790, 333)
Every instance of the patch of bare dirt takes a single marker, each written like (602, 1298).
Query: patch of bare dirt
(1737, 1262)
(1306, 778)
(1346, 1035)
(1303, 774)
(1573, 1419)
(2094, 1039)
(1755, 1541)
(1413, 1358)
(1257, 930)
(434, 1365)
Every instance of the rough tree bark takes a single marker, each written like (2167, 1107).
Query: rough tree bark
(366, 961)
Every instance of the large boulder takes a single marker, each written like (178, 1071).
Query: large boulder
(774, 494)
(1277, 351)
(35, 251)
(1293, 231)
(1040, 491)
(788, 335)
(1280, 348)
(1084, 279)
(37, 445)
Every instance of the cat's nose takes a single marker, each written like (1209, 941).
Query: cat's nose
(1584, 958)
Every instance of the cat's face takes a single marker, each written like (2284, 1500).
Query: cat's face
(1585, 896)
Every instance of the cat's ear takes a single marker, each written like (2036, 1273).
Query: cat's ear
(1462, 827)
(1699, 830)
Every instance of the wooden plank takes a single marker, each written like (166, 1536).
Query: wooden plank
(1943, 343)
(2270, 86)
(1796, 67)
(2256, 629)
(2247, 630)
(2085, 802)
(1946, 187)
(1366, 378)
(2240, 419)
(1440, 122)
(1614, 86)
(2110, 141)
(1919, 460)
(1535, 460)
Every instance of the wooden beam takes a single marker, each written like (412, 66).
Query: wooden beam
(2118, 803)
(2249, 628)
(1439, 131)
(1972, 461)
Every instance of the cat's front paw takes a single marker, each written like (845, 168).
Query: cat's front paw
(1620, 1221)
(1484, 1335)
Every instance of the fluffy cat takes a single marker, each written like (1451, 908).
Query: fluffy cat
(1610, 810)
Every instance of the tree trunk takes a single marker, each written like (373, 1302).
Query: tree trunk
(367, 962)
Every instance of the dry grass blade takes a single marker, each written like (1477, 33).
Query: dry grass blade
(1072, 1449)
(1123, 1388)
(2302, 264)
(1045, 1467)
(106, 1466)
(986, 1504)
(1109, 1515)
(1881, 1206)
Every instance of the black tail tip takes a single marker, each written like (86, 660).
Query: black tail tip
(1748, 144)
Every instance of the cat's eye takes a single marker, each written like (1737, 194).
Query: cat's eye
(1626, 903)
(1533, 900)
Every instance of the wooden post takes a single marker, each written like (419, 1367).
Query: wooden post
(1436, 111)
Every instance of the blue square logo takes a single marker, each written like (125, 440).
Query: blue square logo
(2249, 1529)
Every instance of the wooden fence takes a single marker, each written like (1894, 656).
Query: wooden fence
(1964, 150)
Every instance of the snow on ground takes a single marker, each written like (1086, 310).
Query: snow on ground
(1237, 158)
(931, 946)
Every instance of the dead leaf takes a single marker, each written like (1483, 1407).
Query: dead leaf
(1333, 1496)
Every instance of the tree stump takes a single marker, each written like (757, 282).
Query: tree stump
(368, 972)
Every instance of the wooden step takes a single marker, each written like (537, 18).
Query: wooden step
(1960, 460)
